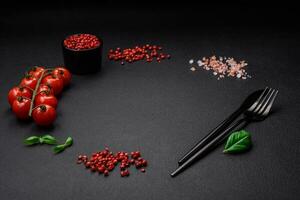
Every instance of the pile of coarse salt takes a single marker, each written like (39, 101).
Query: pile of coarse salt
(222, 66)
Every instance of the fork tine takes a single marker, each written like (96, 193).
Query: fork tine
(262, 108)
(266, 112)
(262, 102)
(258, 100)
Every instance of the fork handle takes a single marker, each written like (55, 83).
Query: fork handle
(209, 147)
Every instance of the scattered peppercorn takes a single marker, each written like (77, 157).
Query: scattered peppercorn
(146, 52)
(105, 161)
(81, 42)
(125, 173)
(143, 170)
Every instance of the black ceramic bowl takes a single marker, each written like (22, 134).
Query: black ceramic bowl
(85, 61)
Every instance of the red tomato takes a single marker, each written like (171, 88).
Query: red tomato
(36, 71)
(47, 99)
(18, 91)
(29, 81)
(21, 107)
(54, 82)
(45, 89)
(44, 115)
(64, 74)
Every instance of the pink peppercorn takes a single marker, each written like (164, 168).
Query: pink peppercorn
(105, 161)
(124, 173)
(143, 170)
(131, 161)
(101, 169)
(138, 164)
(144, 163)
(146, 52)
(81, 42)
(106, 173)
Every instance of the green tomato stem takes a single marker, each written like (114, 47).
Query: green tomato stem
(44, 73)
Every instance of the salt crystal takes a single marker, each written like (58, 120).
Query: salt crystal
(191, 61)
(200, 63)
(193, 69)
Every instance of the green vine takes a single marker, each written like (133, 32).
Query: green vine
(46, 72)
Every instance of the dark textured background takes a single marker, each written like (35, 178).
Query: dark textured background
(159, 109)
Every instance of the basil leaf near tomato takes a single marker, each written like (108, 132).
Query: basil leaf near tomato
(62, 147)
(69, 141)
(32, 140)
(238, 142)
(59, 148)
(48, 139)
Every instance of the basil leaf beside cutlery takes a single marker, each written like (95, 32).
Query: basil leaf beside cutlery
(257, 111)
(243, 107)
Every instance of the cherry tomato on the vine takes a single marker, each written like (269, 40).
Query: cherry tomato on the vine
(63, 73)
(54, 82)
(43, 98)
(29, 81)
(45, 89)
(36, 71)
(21, 107)
(44, 115)
(18, 91)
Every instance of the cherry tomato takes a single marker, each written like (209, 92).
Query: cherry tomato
(36, 71)
(43, 98)
(18, 91)
(54, 82)
(64, 74)
(29, 81)
(21, 107)
(44, 115)
(45, 89)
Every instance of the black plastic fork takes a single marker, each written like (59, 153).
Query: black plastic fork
(259, 110)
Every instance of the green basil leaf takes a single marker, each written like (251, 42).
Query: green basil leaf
(48, 139)
(69, 141)
(62, 147)
(237, 142)
(59, 148)
(32, 140)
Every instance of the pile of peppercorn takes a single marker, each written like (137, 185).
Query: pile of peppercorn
(105, 161)
(79, 42)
